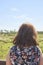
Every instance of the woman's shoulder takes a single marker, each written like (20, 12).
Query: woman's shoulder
(13, 48)
(39, 49)
(35, 49)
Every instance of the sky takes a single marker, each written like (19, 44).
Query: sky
(13, 13)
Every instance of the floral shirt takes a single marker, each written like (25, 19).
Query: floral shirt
(25, 56)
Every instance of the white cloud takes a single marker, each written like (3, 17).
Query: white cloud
(14, 9)
(19, 17)
(26, 18)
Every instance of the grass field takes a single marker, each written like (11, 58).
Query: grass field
(6, 42)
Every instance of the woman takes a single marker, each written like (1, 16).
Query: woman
(26, 49)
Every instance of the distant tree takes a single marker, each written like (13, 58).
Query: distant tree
(1, 31)
(13, 31)
(6, 31)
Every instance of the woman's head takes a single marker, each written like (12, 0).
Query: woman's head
(26, 36)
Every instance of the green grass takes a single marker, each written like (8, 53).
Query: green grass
(6, 43)
(40, 40)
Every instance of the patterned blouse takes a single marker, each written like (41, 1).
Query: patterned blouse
(25, 56)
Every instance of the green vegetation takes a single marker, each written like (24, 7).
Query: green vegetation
(6, 39)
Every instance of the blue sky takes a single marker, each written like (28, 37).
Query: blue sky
(15, 12)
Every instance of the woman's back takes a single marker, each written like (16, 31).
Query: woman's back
(25, 56)
(26, 50)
